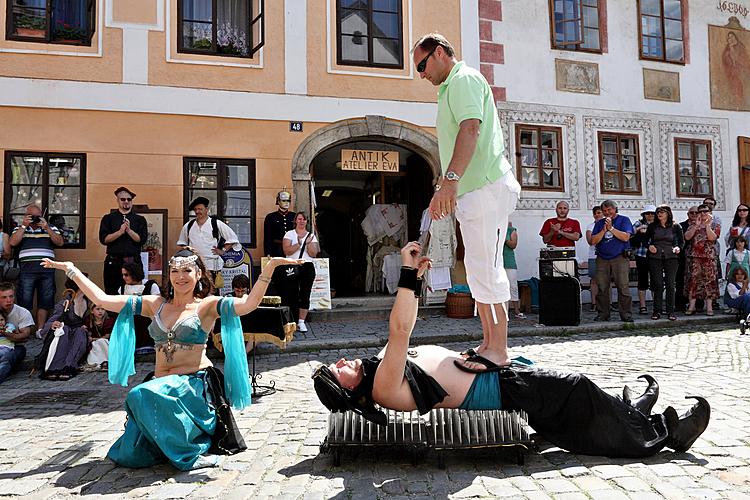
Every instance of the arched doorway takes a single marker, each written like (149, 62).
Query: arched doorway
(342, 197)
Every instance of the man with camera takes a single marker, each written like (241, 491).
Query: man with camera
(36, 240)
(611, 235)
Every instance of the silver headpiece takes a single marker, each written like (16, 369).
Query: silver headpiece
(183, 262)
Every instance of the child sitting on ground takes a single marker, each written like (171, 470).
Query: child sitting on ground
(738, 296)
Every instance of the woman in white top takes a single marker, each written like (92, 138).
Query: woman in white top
(132, 275)
(299, 243)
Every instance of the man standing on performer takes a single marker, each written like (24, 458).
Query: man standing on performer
(477, 181)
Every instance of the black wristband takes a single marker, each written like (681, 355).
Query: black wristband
(408, 279)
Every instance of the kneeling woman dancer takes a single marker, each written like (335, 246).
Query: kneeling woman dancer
(567, 409)
(182, 414)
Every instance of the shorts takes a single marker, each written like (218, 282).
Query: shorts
(592, 269)
(513, 281)
(483, 214)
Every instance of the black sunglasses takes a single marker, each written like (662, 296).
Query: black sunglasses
(423, 63)
(126, 199)
(742, 209)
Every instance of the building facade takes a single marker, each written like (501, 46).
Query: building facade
(228, 99)
(642, 101)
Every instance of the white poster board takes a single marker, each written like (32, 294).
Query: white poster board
(320, 296)
(235, 262)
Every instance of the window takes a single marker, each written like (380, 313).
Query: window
(575, 25)
(232, 28)
(70, 22)
(694, 167)
(539, 157)
(55, 182)
(370, 33)
(661, 30)
(229, 186)
(619, 168)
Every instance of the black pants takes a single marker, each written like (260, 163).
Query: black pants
(573, 413)
(112, 274)
(662, 270)
(306, 279)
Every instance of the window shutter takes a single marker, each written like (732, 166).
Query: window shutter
(257, 27)
(49, 20)
(91, 16)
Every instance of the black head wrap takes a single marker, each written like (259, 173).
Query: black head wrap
(336, 398)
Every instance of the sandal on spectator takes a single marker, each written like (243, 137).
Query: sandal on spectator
(643, 310)
(520, 315)
(689, 312)
(655, 316)
(672, 317)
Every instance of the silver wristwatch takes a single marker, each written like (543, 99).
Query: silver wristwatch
(452, 176)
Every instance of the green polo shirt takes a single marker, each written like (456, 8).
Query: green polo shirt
(466, 95)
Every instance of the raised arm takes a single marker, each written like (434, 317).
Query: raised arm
(401, 323)
(113, 303)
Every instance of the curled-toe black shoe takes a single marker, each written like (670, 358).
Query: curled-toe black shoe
(684, 430)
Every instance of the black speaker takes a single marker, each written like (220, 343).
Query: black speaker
(559, 301)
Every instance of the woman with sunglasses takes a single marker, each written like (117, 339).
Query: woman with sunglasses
(665, 242)
(181, 415)
(740, 226)
(701, 280)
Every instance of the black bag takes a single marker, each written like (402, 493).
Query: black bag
(9, 271)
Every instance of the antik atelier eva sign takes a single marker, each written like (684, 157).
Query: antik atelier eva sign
(371, 161)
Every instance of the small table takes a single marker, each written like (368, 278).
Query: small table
(264, 324)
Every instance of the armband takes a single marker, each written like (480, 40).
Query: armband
(418, 291)
(72, 272)
(408, 279)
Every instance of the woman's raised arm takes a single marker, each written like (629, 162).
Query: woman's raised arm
(250, 302)
(113, 303)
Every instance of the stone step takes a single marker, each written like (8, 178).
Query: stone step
(354, 312)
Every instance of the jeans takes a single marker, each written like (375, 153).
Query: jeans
(10, 360)
(660, 269)
(42, 283)
(613, 269)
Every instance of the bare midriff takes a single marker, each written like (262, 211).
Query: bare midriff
(186, 359)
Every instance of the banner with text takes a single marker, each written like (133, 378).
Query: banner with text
(369, 161)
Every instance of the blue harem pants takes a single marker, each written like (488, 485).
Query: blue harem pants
(170, 419)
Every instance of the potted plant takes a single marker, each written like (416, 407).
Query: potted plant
(231, 41)
(203, 44)
(68, 33)
(31, 26)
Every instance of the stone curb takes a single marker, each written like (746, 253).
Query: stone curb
(520, 331)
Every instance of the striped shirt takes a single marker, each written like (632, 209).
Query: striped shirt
(35, 246)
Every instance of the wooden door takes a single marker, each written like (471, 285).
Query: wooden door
(743, 147)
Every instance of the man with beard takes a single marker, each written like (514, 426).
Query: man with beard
(561, 231)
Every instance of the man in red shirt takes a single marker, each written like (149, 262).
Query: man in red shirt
(561, 231)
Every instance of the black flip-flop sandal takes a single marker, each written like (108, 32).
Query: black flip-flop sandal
(489, 365)
(470, 353)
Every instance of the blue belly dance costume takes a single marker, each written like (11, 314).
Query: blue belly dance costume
(174, 418)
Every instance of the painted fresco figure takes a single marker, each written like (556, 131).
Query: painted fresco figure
(736, 64)
(477, 182)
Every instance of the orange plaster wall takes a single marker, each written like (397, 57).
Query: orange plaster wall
(435, 15)
(107, 68)
(145, 152)
(270, 78)
(134, 11)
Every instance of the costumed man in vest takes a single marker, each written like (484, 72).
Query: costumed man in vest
(275, 226)
(209, 237)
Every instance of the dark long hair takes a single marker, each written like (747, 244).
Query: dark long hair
(670, 218)
(737, 219)
(204, 287)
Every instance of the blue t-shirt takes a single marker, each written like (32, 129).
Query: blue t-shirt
(610, 247)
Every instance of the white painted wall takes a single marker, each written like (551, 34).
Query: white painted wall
(529, 76)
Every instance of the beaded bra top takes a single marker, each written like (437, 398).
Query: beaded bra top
(187, 330)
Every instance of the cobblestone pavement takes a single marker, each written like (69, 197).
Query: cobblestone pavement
(54, 445)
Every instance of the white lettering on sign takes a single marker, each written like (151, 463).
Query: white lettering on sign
(732, 8)
(370, 161)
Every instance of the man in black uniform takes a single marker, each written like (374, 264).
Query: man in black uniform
(275, 225)
(124, 233)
